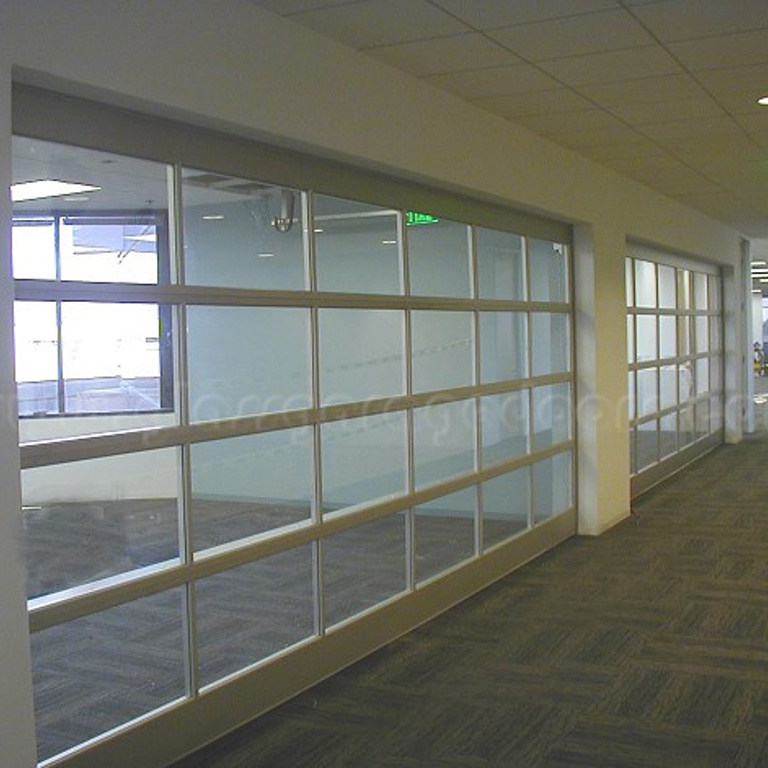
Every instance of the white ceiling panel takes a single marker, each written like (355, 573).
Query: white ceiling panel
(494, 81)
(644, 90)
(723, 51)
(288, 7)
(717, 127)
(531, 103)
(669, 111)
(562, 122)
(596, 137)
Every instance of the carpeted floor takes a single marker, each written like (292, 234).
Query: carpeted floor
(645, 647)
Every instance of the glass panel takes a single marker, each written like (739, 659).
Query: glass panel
(667, 293)
(506, 505)
(646, 337)
(647, 391)
(548, 266)
(87, 520)
(36, 344)
(247, 485)
(550, 343)
(633, 450)
(702, 376)
(551, 415)
(364, 460)
(683, 289)
(552, 486)
(713, 292)
(716, 374)
(685, 343)
(645, 284)
(668, 435)
(647, 444)
(33, 246)
(443, 355)
(444, 441)
(99, 672)
(356, 247)
(667, 336)
(438, 259)
(631, 338)
(702, 333)
(240, 233)
(685, 381)
(631, 395)
(686, 435)
(716, 413)
(251, 612)
(505, 426)
(503, 346)
(363, 566)
(702, 419)
(273, 376)
(700, 286)
(500, 265)
(362, 354)
(445, 532)
(715, 334)
(629, 283)
(668, 386)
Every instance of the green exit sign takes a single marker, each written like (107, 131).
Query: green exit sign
(413, 217)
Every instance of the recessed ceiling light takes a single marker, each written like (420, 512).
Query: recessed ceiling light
(266, 255)
(213, 217)
(763, 100)
(42, 188)
(318, 230)
(389, 242)
(764, 280)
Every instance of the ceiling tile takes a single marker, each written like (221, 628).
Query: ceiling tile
(744, 102)
(490, 14)
(534, 103)
(494, 81)
(574, 35)
(371, 23)
(446, 54)
(646, 90)
(599, 137)
(287, 7)
(612, 66)
(689, 19)
(716, 127)
(636, 147)
(682, 109)
(723, 51)
(565, 122)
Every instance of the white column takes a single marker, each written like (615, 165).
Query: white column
(17, 738)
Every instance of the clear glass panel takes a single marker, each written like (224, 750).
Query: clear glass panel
(646, 337)
(667, 435)
(683, 289)
(33, 246)
(713, 292)
(702, 375)
(551, 415)
(629, 282)
(251, 612)
(685, 381)
(647, 391)
(244, 486)
(362, 354)
(645, 284)
(647, 444)
(631, 395)
(702, 333)
(684, 341)
(443, 441)
(445, 532)
(363, 566)
(356, 247)
(506, 506)
(716, 373)
(667, 336)
(715, 333)
(503, 346)
(685, 423)
(668, 386)
(701, 425)
(716, 413)
(99, 672)
(548, 266)
(550, 343)
(364, 460)
(505, 426)
(438, 259)
(667, 292)
(240, 233)
(443, 350)
(87, 520)
(500, 265)
(631, 338)
(700, 286)
(36, 343)
(552, 486)
(274, 375)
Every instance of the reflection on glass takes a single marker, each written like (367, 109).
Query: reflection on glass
(240, 233)
(503, 346)
(685, 343)
(667, 435)
(438, 259)
(550, 341)
(506, 506)
(251, 612)
(363, 460)
(362, 567)
(500, 265)
(87, 520)
(362, 354)
(247, 485)
(444, 441)
(647, 444)
(667, 287)
(646, 337)
(685, 381)
(99, 672)
(645, 284)
(445, 532)
(552, 486)
(274, 375)
(442, 352)
(551, 415)
(547, 263)
(505, 426)
(356, 247)
(668, 386)
(683, 289)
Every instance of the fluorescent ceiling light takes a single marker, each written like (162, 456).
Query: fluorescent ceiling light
(213, 217)
(757, 262)
(763, 100)
(37, 190)
(266, 255)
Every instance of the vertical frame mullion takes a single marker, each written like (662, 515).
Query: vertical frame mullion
(474, 290)
(61, 394)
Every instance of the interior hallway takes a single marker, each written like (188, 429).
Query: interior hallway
(647, 646)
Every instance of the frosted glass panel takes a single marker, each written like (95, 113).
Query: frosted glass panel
(356, 247)
(702, 375)
(684, 332)
(500, 265)
(647, 391)
(503, 346)
(438, 258)
(362, 567)
(701, 323)
(273, 376)
(700, 289)
(550, 341)
(362, 354)
(667, 336)
(364, 460)
(551, 415)
(667, 287)
(444, 441)
(442, 350)
(548, 266)
(506, 505)
(552, 486)
(645, 284)
(248, 485)
(646, 337)
(668, 386)
(684, 289)
(505, 426)
(242, 234)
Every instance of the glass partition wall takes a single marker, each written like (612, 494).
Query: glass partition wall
(674, 341)
(251, 414)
